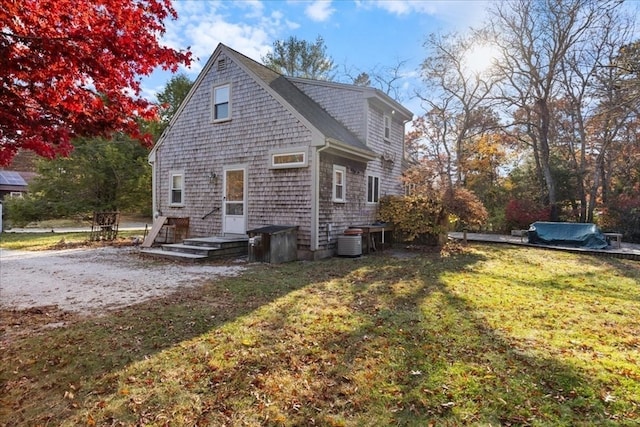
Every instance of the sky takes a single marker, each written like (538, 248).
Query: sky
(360, 35)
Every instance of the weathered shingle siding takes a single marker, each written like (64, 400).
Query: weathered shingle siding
(366, 121)
(260, 124)
(343, 103)
(341, 216)
(199, 148)
(351, 108)
(389, 166)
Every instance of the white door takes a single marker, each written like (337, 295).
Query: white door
(234, 206)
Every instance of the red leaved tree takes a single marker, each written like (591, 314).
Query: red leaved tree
(522, 213)
(72, 68)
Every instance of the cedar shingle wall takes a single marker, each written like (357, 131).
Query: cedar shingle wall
(366, 121)
(198, 147)
(354, 211)
(388, 171)
(346, 105)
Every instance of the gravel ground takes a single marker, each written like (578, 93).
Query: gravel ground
(88, 280)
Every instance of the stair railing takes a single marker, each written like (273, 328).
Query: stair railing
(212, 211)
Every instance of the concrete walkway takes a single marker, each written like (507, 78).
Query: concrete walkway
(627, 250)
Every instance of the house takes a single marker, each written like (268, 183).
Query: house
(13, 183)
(15, 178)
(249, 148)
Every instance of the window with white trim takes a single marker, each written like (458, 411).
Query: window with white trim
(373, 189)
(339, 183)
(294, 159)
(409, 189)
(176, 189)
(222, 102)
(387, 127)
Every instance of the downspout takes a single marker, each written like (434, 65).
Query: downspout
(154, 181)
(315, 199)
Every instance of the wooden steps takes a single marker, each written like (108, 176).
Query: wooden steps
(201, 249)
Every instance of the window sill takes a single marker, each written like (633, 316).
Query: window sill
(294, 166)
(221, 120)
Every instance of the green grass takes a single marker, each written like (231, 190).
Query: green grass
(44, 241)
(497, 335)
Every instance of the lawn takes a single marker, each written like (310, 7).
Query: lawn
(44, 241)
(495, 335)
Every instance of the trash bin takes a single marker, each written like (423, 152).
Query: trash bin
(350, 243)
(273, 244)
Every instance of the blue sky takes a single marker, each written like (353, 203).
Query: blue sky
(359, 35)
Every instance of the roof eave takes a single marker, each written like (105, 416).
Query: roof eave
(389, 104)
(348, 151)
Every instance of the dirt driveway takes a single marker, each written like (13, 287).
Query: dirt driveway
(88, 281)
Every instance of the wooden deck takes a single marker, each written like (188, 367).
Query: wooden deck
(625, 251)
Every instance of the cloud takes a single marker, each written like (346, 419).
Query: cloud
(255, 8)
(398, 7)
(202, 25)
(319, 10)
(460, 14)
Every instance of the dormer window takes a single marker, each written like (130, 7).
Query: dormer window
(387, 128)
(222, 103)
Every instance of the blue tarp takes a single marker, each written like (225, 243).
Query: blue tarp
(567, 234)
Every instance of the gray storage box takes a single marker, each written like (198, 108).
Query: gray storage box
(273, 244)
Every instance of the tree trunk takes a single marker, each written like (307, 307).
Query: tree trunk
(544, 120)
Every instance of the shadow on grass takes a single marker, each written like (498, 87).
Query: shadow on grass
(371, 341)
(584, 275)
(440, 362)
(46, 376)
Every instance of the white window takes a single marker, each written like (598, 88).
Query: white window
(409, 189)
(293, 159)
(387, 127)
(373, 189)
(339, 183)
(221, 103)
(176, 196)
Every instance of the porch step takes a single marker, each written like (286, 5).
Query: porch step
(176, 256)
(218, 242)
(201, 249)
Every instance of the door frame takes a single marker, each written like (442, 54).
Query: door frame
(225, 227)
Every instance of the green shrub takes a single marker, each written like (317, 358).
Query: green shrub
(20, 211)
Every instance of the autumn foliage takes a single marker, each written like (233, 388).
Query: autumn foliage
(72, 68)
(521, 214)
(415, 216)
(622, 215)
(466, 208)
